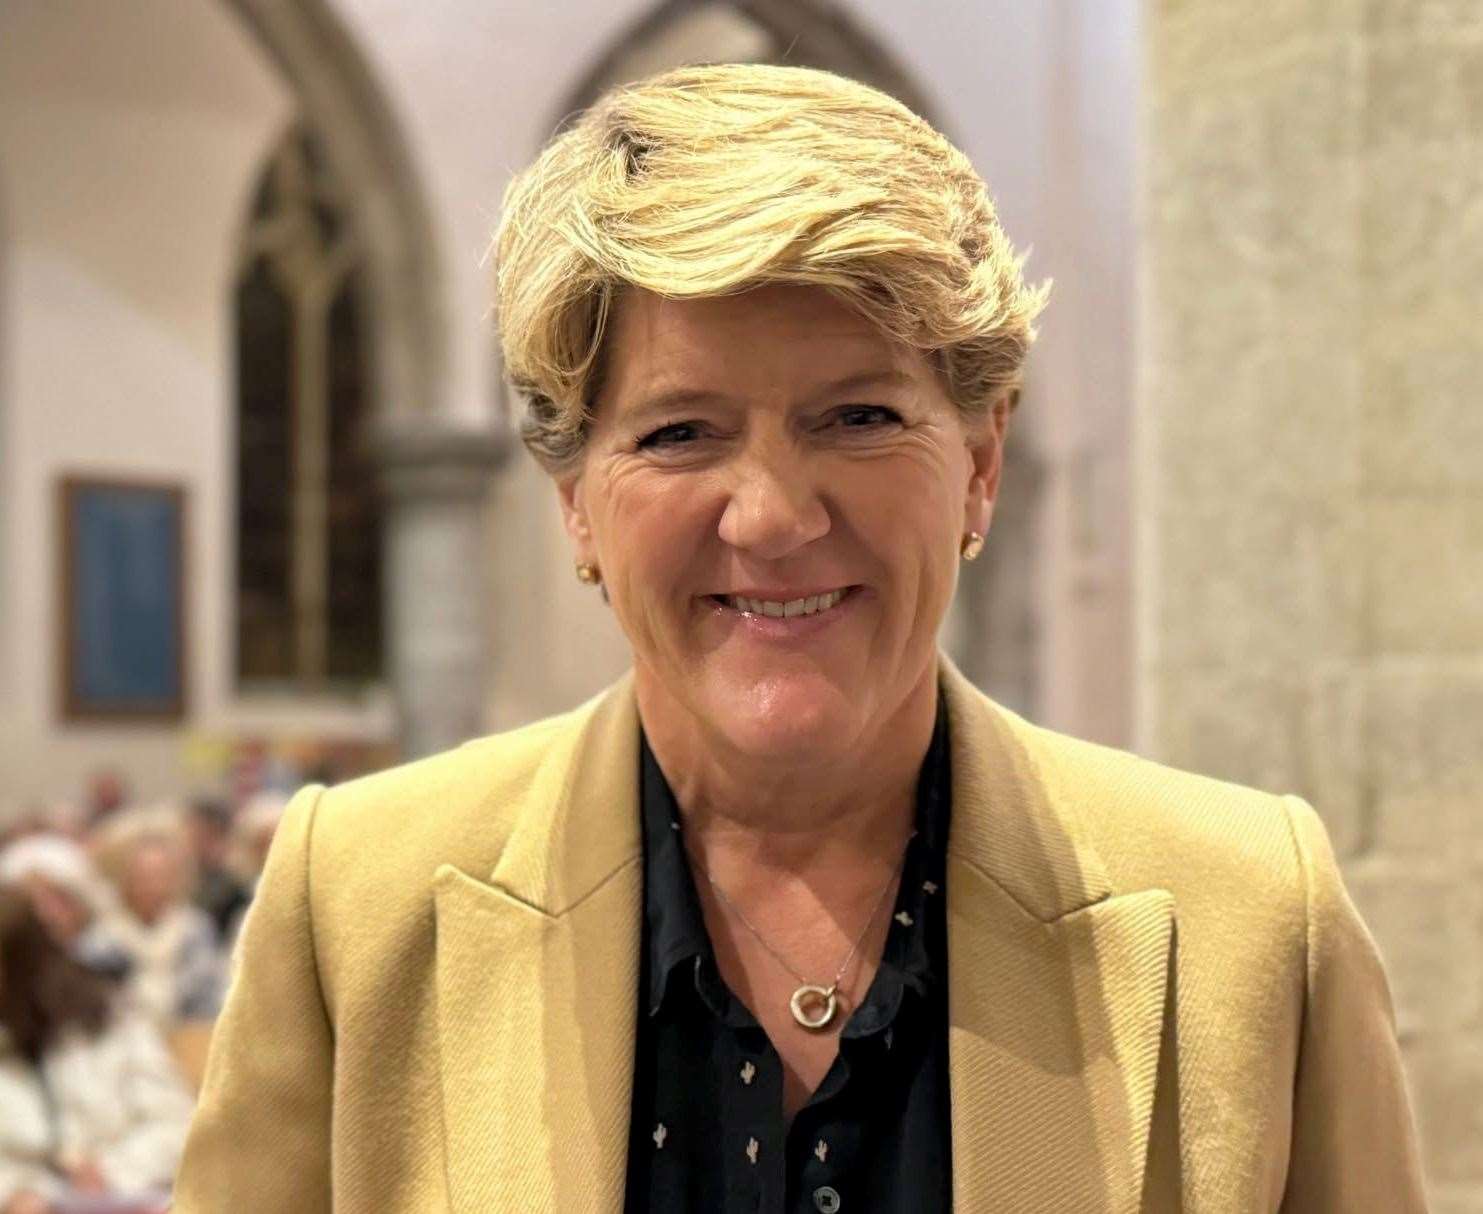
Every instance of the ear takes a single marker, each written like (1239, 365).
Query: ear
(986, 456)
(569, 492)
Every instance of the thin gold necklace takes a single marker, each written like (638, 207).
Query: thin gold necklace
(812, 1005)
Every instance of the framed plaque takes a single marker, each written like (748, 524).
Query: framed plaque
(122, 589)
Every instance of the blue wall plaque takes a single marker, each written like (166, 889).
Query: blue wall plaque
(123, 590)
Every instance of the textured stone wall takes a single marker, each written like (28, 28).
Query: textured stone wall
(1311, 468)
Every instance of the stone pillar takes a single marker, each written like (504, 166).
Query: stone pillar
(436, 481)
(1312, 470)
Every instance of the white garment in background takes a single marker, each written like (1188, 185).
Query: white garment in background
(178, 970)
(117, 1099)
(25, 1131)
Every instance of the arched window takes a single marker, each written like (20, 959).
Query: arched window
(308, 522)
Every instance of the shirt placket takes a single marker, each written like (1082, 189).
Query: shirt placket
(751, 1092)
(824, 1144)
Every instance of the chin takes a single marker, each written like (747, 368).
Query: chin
(786, 716)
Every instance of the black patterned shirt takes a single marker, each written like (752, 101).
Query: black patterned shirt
(707, 1130)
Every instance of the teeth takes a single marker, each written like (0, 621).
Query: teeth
(776, 610)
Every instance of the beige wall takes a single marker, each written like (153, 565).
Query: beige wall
(130, 136)
(1312, 468)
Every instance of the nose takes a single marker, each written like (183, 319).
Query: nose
(774, 507)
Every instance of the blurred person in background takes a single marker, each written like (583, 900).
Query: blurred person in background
(107, 794)
(793, 916)
(252, 838)
(92, 1109)
(72, 899)
(176, 961)
(65, 818)
(219, 890)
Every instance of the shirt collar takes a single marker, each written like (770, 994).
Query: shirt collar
(675, 926)
(672, 917)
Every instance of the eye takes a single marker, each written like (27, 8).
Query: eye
(676, 434)
(866, 417)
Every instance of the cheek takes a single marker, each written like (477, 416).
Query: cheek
(652, 527)
(909, 512)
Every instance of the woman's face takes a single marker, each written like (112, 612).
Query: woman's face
(152, 882)
(773, 452)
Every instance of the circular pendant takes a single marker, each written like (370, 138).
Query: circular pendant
(813, 1006)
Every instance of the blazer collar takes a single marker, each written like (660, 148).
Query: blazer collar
(1006, 824)
(1057, 988)
(537, 975)
(1031, 844)
(1059, 991)
(580, 821)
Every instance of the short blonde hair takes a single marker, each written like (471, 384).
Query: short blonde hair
(127, 832)
(711, 180)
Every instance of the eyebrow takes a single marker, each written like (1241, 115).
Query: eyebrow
(679, 398)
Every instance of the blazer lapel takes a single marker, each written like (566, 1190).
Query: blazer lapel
(537, 984)
(1056, 989)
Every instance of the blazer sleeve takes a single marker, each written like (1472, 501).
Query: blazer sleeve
(1353, 1139)
(260, 1138)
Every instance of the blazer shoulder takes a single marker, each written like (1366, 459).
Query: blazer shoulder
(457, 807)
(1159, 825)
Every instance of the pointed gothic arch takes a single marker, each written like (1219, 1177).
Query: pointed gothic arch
(432, 470)
(361, 138)
(799, 32)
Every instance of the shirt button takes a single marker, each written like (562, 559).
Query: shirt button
(826, 1200)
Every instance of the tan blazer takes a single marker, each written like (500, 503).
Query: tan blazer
(1160, 996)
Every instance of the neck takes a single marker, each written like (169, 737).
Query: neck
(845, 812)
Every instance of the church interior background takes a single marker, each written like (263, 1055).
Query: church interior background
(250, 403)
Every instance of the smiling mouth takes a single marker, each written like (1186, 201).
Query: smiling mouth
(815, 604)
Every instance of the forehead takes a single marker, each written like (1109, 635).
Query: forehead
(773, 340)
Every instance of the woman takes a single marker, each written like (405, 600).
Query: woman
(219, 891)
(252, 835)
(69, 896)
(175, 971)
(793, 917)
(92, 1113)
